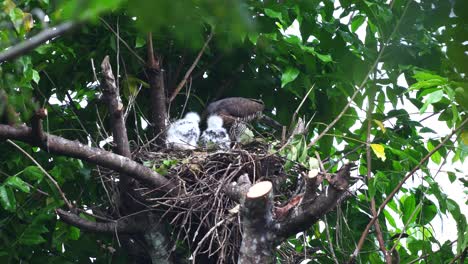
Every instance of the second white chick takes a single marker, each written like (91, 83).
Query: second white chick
(184, 133)
(215, 136)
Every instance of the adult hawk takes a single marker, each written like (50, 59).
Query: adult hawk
(215, 136)
(184, 133)
(236, 112)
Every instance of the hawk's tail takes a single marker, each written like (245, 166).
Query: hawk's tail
(271, 123)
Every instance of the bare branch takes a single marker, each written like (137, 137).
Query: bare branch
(237, 191)
(123, 225)
(258, 238)
(189, 71)
(157, 92)
(60, 146)
(310, 211)
(111, 96)
(37, 40)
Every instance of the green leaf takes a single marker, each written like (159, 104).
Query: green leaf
(273, 14)
(35, 76)
(33, 173)
(451, 175)
(389, 218)
(17, 183)
(436, 157)
(32, 235)
(357, 22)
(408, 207)
(429, 211)
(139, 42)
(74, 233)
(324, 57)
(432, 98)
(289, 75)
(7, 198)
(253, 37)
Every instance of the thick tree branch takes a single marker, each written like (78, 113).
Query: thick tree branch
(237, 191)
(111, 96)
(157, 92)
(258, 237)
(27, 45)
(397, 188)
(36, 125)
(60, 146)
(189, 71)
(124, 225)
(312, 209)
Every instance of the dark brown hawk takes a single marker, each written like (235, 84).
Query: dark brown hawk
(236, 112)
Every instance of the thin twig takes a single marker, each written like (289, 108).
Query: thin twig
(123, 41)
(189, 89)
(378, 229)
(189, 71)
(67, 202)
(371, 70)
(300, 105)
(330, 244)
(398, 187)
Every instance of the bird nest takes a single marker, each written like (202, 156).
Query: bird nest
(203, 215)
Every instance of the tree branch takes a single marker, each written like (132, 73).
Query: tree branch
(111, 96)
(364, 81)
(35, 41)
(157, 92)
(397, 188)
(378, 230)
(310, 211)
(124, 225)
(189, 71)
(258, 238)
(237, 191)
(60, 146)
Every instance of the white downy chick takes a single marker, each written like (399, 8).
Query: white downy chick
(215, 136)
(184, 133)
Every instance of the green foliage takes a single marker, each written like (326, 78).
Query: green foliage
(252, 54)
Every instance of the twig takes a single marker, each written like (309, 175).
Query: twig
(67, 202)
(330, 244)
(398, 187)
(75, 149)
(312, 143)
(189, 71)
(117, 226)
(35, 41)
(300, 105)
(462, 255)
(189, 89)
(123, 41)
(378, 229)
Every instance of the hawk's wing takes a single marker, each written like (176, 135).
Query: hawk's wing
(234, 108)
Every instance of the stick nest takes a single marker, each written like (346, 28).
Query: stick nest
(203, 215)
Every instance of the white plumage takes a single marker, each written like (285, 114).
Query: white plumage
(215, 136)
(184, 133)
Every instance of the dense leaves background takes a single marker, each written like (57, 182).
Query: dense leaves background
(251, 55)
